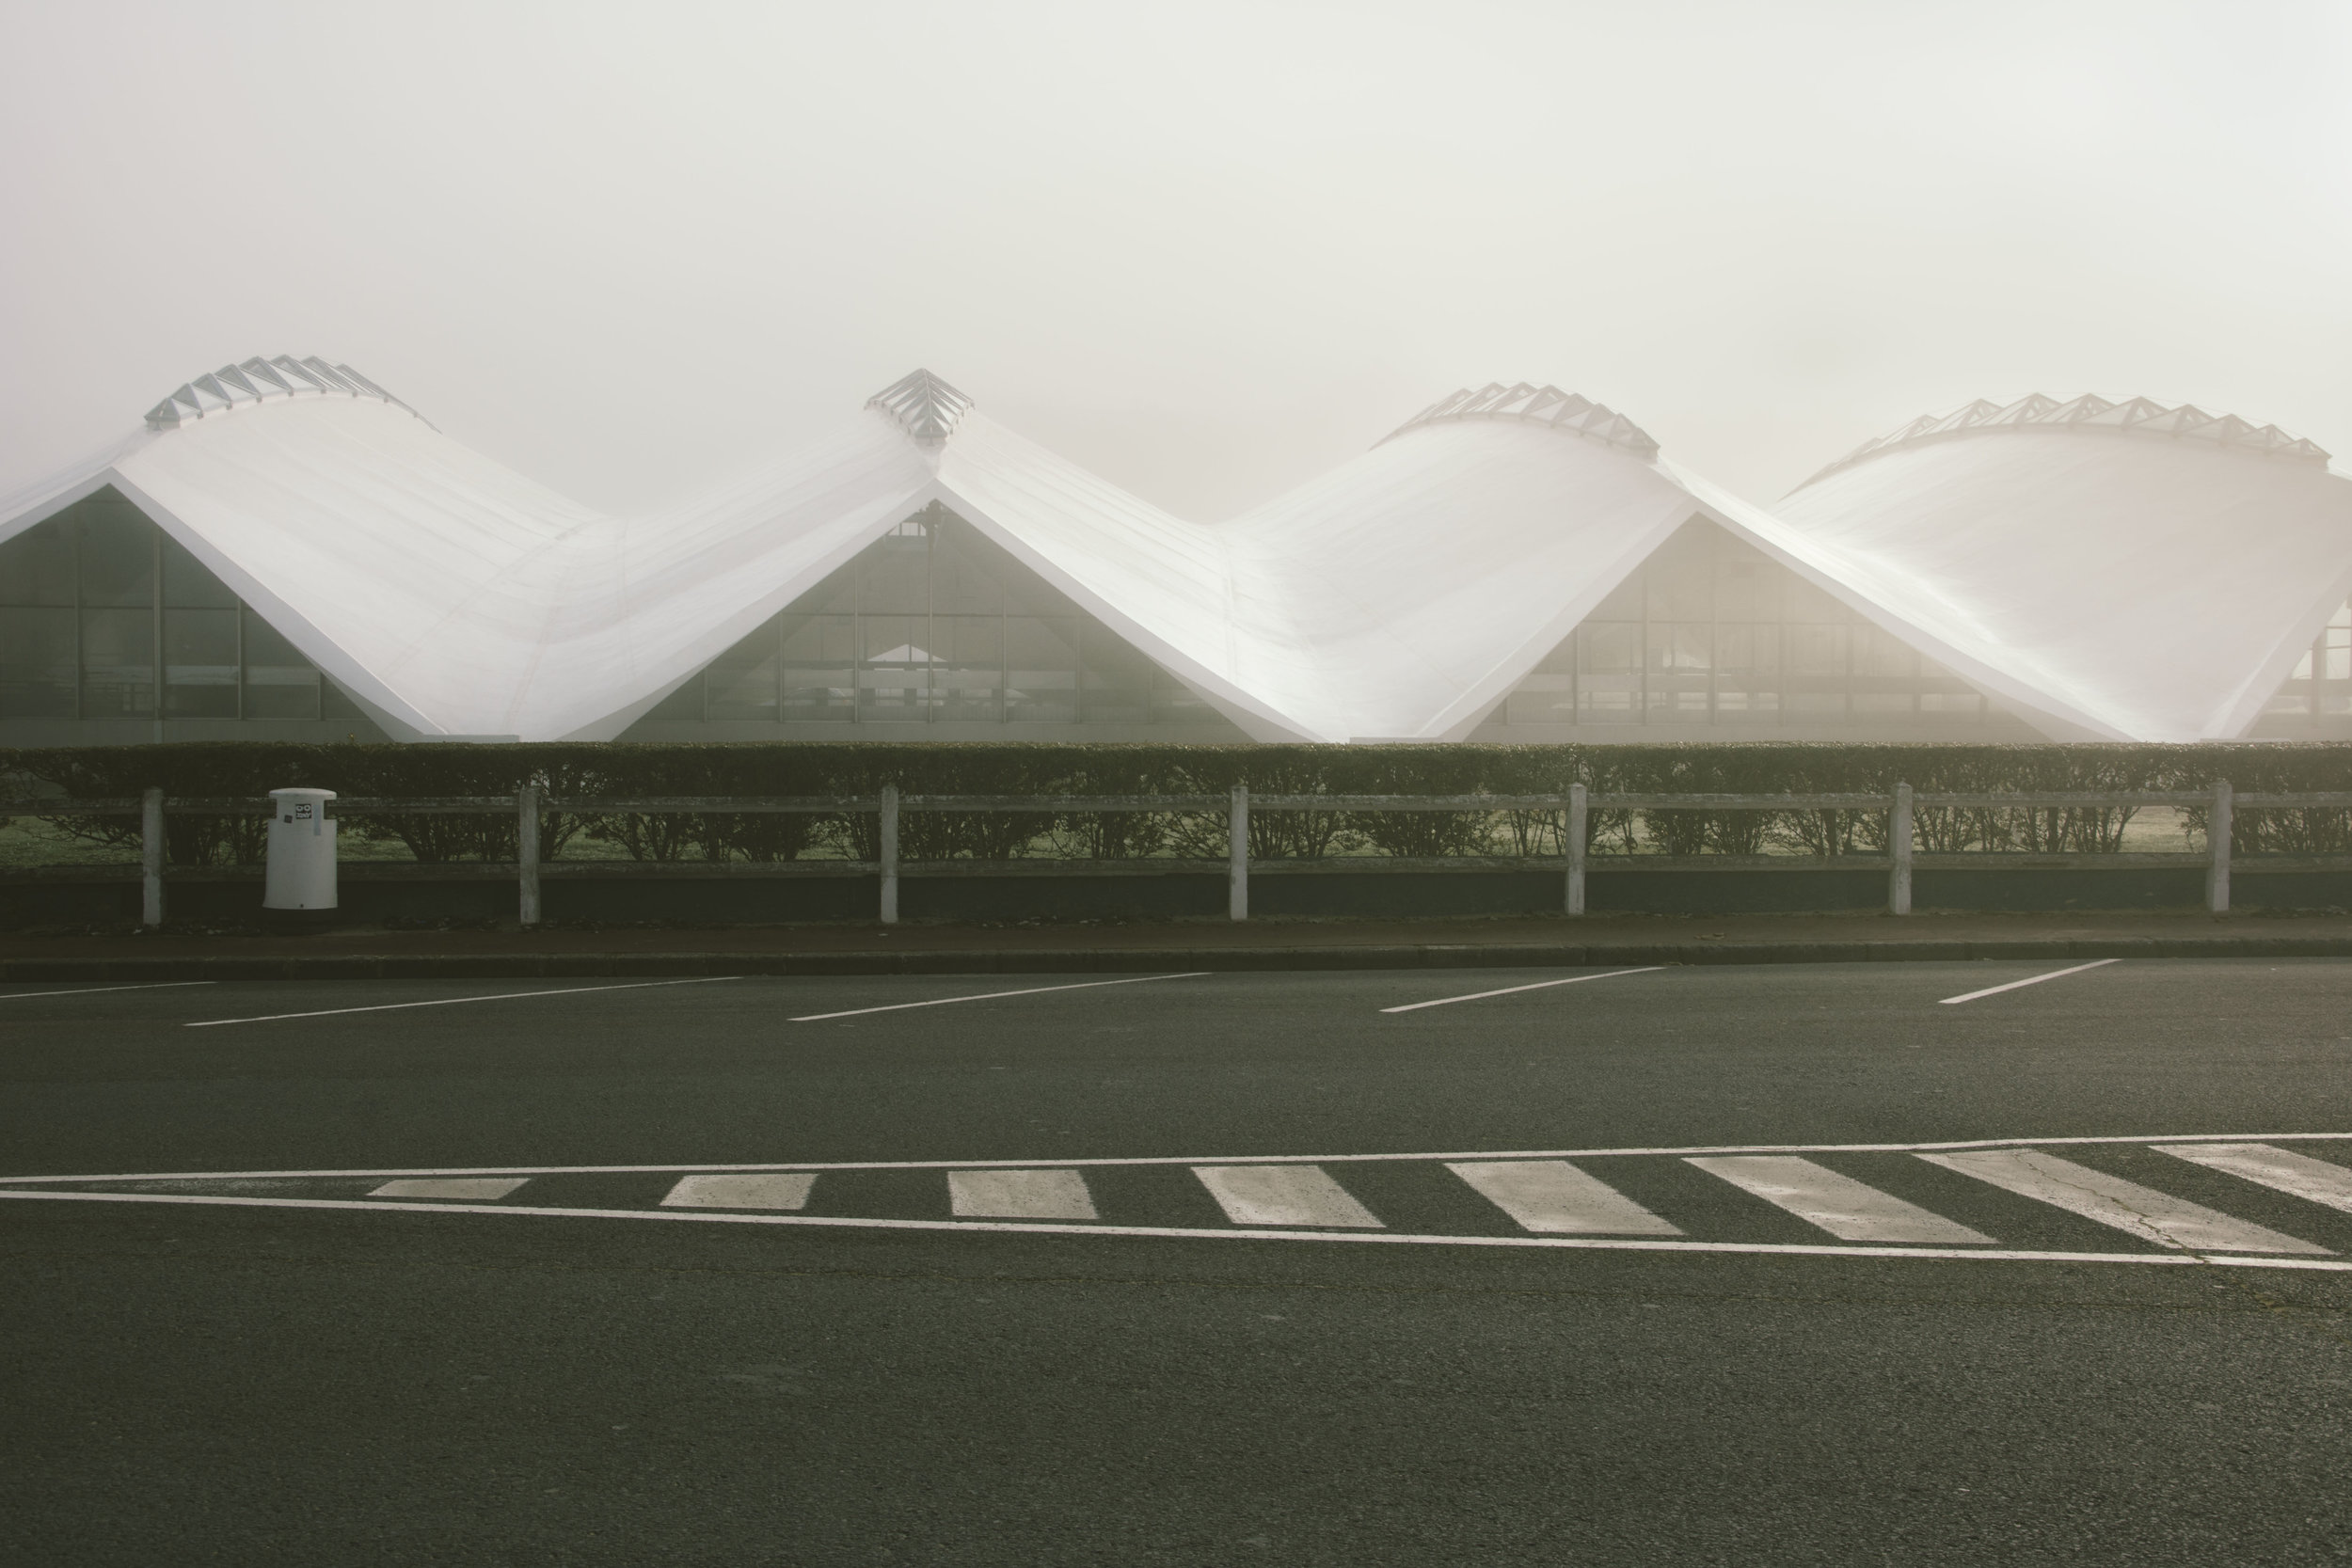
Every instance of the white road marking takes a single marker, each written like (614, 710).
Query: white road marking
(1847, 1209)
(474, 1188)
(1579, 1243)
(1048, 1193)
(1513, 990)
(2289, 1172)
(2030, 980)
(93, 991)
(2135, 1209)
(1283, 1195)
(454, 1001)
(992, 995)
(742, 1191)
(1553, 1197)
(1675, 1149)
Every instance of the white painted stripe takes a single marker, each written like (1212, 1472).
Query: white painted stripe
(1283, 1195)
(93, 991)
(1847, 1209)
(2289, 1172)
(742, 1191)
(2030, 980)
(1578, 1244)
(1513, 990)
(1677, 1150)
(1048, 1193)
(2135, 1209)
(992, 995)
(454, 1001)
(1553, 1197)
(478, 1189)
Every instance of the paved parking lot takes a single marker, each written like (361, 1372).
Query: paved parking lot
(1811, 1263)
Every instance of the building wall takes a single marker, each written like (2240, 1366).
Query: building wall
(2315, 700)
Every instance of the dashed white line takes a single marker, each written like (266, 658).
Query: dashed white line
(477, 1188)
(1513, 990)
(1847, 1209)
(1580, 1244)
(1554, 1197)
(93, 991)
(2127, 1205)
(1046, 1193)
(742, 1191)
(992, 995)
(454, 1001)
(1283, 1195)
(2317, 1179)
(2030, 980)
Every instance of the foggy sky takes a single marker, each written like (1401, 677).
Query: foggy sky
(1205, 250)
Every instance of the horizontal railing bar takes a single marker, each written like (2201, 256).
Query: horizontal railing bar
(660, 804)
(2027, 799)
(1067, 802)
(1741, 802)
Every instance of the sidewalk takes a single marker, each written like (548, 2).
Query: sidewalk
(1270, 944)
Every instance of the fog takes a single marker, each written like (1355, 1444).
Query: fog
(1204, 250)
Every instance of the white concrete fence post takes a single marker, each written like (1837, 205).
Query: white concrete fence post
(1579, 814)
(890, 854)
(1899, 844)
(151, 857)
(2218, 829)
(1237, 855)
(527, 853)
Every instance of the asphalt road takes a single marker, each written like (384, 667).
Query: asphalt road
(222, 1364)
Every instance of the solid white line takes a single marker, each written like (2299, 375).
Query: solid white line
(93, 991)
(454, 1001)
(1847, 1209)
(1198, 1160)
(1581, 1244)
(2110, 1200)
(991, 995)
(1283, 1195)
(2317, 1179)
(1049, 1194)
(2030, 980)
(1555, 1197)
(1512, 991)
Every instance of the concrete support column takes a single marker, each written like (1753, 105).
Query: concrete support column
(151, 857)
(1237, 855)
(2218, 831)
(890, 854)
(527, 853)
(1898, 846)
(1578, 815)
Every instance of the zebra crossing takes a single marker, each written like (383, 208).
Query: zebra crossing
(2249, 1201)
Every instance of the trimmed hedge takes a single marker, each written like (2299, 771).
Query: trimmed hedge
(245, 767)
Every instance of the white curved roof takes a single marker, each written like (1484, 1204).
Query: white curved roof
(2153, 573)
(1399, 596)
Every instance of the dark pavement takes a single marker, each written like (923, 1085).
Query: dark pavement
(268, 1384)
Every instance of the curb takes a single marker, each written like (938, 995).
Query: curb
(569, 966)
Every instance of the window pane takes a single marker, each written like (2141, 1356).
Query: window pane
(819, 666)
(280, 683)
(1040, 669)
(118, 663)
(200, 664)
(969, 667)
(37, 566)
(189, 582)
(118, 552)
(335, 703)
(962, 582)
(894, 677)
(1117, 679)
(1174, 702)
(742, 683)
(895, 576)
(1814, 650)
(35, 663)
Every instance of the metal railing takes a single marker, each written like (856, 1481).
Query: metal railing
(888, 805)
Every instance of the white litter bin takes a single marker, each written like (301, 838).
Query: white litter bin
(301, 852)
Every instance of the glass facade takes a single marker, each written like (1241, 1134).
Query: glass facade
(2315, 700)
(935, 623)
(1712, 631)
(102, 615)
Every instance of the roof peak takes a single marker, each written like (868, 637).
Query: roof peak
(927, 407)
(259, 380)
(1527, 404)
(2134, 417)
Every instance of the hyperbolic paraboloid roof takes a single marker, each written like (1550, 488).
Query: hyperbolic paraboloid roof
(2121, 571)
